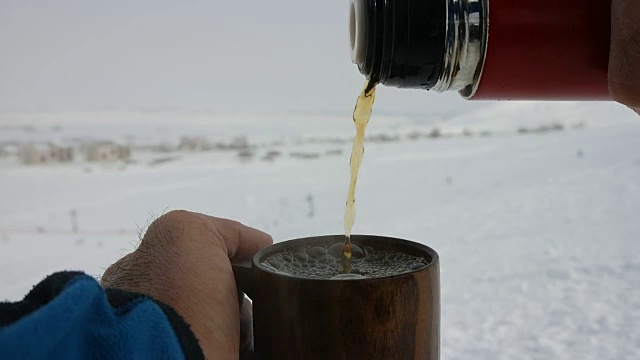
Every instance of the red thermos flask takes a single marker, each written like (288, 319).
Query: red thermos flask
(485, 49)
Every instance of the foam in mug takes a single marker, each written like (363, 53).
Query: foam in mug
(317, 262)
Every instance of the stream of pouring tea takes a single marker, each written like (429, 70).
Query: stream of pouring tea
(361, 116)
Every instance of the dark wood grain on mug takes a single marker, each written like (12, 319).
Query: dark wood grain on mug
(385, 318)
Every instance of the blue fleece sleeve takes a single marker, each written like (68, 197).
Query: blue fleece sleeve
(70, 316)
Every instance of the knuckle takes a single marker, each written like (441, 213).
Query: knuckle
(168, 226)
(174, 218)
(174, 215)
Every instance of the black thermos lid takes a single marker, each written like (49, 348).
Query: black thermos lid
(399, 43)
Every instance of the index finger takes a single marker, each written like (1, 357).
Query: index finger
(624, 61)
(242, 242)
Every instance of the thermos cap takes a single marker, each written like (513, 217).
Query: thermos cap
(421, 44)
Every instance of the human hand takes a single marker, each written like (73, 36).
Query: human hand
(184, 261)
(624, 60)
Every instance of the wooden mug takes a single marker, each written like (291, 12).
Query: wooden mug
(395, 317)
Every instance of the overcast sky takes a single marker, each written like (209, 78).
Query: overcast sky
(198, 55)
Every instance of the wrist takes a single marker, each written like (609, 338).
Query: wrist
(176, 264)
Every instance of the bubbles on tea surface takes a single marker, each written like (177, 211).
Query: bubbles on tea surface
(318, 262)
(275, 264)
(316, 251)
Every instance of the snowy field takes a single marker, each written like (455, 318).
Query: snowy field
(534, 208)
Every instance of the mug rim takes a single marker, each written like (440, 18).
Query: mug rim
(432, 254)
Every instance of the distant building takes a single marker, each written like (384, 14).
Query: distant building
(237, 143)
(32, 154)
(107, 152)
(194, 143)
(10, 149)
(271, 155)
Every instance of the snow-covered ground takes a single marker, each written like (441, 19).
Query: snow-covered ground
(538, 231)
